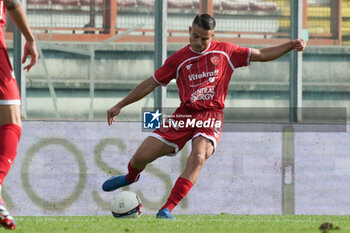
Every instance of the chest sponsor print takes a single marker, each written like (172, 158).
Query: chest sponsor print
(205, 93)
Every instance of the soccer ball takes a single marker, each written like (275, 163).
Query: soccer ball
(126, 204)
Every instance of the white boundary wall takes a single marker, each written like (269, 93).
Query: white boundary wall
(242, 177)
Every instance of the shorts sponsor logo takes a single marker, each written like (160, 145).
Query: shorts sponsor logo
(13, 75)
(205, 93)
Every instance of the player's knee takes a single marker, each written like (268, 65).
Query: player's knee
(10, 114)
(198, 159)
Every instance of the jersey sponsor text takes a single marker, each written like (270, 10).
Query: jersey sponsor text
(205, 93)
(211, 74)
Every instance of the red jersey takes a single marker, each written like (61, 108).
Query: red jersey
(203, 78)
(2, 23)
(2, 13)
(9, 94)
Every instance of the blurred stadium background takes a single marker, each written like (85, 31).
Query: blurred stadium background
(82, 72)
(68, 30)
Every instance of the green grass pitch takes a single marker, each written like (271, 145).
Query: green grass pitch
(223, 223)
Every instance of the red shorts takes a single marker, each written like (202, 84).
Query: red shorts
(184, 125)
(9, 93)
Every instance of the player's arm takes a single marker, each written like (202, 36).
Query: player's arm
(274, 52)
(17, 13)
(140, 91)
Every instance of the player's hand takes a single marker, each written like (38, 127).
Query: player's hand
(30, 49)
(111, 113)
(299, 45)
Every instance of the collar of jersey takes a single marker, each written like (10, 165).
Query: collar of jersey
(201, 52)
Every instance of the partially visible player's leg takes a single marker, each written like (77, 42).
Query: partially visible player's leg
(10, 133)
(10, 114)
(6, 220)
(202, 149)
(10, 128)
(151, 149)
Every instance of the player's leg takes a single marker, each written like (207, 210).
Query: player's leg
(161, 142)
(10, 127)
(10, 132)
(202, 149)
(10, 114)
(151, 149)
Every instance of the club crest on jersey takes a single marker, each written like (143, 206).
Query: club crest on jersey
(215, 60)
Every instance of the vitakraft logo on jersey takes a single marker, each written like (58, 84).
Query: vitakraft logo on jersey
(210, 75)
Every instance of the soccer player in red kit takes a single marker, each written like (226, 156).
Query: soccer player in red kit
(202, 71)
(10, 116)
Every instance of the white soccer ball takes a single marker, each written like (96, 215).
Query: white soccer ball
(126, 204)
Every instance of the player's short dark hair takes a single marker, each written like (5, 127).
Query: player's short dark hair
(205, 21)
